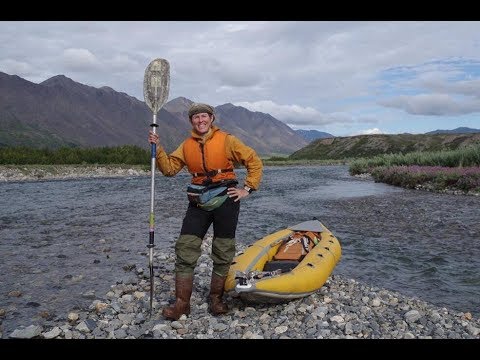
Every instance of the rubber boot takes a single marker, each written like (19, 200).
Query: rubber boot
(217, 286)
(183, 292)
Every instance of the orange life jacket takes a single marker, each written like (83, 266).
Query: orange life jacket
(209, 160)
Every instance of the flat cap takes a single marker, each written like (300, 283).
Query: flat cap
(198, 108)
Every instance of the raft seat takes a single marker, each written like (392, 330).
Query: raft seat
(283, 265)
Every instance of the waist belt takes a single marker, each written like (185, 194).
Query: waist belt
(212, 172)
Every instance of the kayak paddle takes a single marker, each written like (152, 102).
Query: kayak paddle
(156, 83)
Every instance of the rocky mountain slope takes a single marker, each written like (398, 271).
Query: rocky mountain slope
(61, 112)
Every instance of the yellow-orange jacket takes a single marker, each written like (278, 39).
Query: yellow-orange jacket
(235, 150)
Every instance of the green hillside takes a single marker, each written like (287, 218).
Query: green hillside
(372, 145)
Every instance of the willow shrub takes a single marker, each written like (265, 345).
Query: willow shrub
(462, 178)
(126, 154)
(465, 157)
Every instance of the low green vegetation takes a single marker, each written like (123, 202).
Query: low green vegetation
(457, 169)
(126, 154)
(436, 170)
(467, 156)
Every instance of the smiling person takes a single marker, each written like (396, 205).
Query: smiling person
(209, 155)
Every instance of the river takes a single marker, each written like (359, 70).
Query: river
(65, 242)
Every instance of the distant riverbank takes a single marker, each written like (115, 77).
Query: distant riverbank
(60, 172)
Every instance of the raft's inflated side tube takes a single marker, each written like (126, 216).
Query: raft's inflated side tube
(255, 256)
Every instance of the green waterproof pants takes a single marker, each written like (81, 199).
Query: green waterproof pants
(194, 228)
(188, 250)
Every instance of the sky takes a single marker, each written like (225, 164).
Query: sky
(341, 77)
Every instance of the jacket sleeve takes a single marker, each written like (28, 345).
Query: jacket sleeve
(170, 165)
(245, 155)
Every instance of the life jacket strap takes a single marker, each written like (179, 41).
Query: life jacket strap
(212, 172)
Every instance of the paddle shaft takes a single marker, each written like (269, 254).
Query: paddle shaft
(151, 242)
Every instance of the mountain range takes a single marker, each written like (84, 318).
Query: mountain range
(311, 135)
(459, 130)
(61, 112)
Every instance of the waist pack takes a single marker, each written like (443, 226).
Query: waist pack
(206, 197)
(200, 194)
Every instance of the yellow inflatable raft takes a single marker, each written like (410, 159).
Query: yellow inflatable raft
(265, 273)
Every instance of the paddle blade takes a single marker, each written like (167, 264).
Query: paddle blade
(156, 84)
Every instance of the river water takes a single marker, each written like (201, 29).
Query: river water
(64, 242)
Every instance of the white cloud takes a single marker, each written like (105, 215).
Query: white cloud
(367, 132)
(295, 115)
(80, 60)
(123, 62)
(19, 68)
(433, 104)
